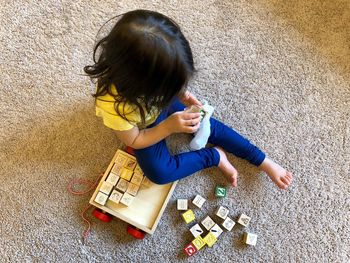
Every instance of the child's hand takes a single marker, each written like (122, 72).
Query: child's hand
(182, 121)
(189, 99)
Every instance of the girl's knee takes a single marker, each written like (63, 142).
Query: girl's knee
(157, 173)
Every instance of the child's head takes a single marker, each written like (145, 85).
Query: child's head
(146, 57)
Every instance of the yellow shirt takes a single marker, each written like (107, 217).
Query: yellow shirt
(105, 109)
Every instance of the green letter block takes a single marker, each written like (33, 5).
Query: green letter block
(220, 191)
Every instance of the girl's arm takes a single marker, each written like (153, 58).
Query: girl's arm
(178, 122)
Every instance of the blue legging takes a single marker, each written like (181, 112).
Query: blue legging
(161, 167)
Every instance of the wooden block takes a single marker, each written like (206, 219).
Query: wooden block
(116, 169)
(190, 249)
(220, 191)
(198, 242)
(115, 196)
(127, 199)
(137, 178)
(101, 198)
(126, 174)
(147, 182)
(196, 230)
(188, 216)
(106, 187)
(210, 239)
(130, 164)
(216, 230)
(138, 169)
(244, 220)
(121, 159)
(250, 239)
(198, 201)
(112, 178)
(228, 224)
(132, 189)
(182, 204)
(122, 185)
(208, 223)
(222, 212)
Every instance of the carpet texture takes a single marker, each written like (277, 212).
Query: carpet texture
(277, 71)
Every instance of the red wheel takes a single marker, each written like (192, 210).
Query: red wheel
(136, 233)
(130, 150)
(102, 216)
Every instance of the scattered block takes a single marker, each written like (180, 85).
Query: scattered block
(222, 212)
(112, 178)
(116, 169)
(130, 164)
(147, 182)
(137, 178)
(188, 216)
(127, 199)
(101, 198)
(126, 174)
(115, 196)
(228, 224)
(196, 230)
(132, 189)
(220, 191)
(121, 160)
(250, 239)
(216, 230)
(210, 239)
(198, 242)
(106, 187)
(182, 204)
(122, 185)
(198, 201)
(190, 249)
(244, 220)
(208, 223)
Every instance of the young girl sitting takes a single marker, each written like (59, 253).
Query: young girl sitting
(142, 68)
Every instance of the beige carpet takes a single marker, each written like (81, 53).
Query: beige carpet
(277, 71)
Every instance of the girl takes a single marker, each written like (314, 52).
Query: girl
(142, 68)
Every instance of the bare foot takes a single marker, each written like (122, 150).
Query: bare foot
(226, 167)
(280, 176)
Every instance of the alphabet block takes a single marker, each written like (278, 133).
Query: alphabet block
(106, 187)
(198, 242)
(101, 198)
(244, 220)
(198, 201)
(188, 216)
(137, 178)
(210, 239)
(208, 223)
(190, 249)
(126, 174)
(216, 230)
(196, 230)
(112, 178)
(132, 189)
(228, 224)
(222, 212)
(122, 185)
(115, 196)
(220, 191)
(126, 199)
(250, 239)
(182, 204)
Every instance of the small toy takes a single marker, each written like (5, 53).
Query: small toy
(138, 169)
(127, 199)
(222, 212)
(244, 220)
(101, 198)
(188, 216)
(196, 230)
(132, 189)
(116, 168)
(121, 160)
(126, 174)
(210, 239)
(106, 187)
(147, 182)
(228, 224)
(190, 249)
(250, 239)
(220, 191)
(137, 178)
(122, 185)
(208, 223)
(115, 196)
(198, 242)
(130, 164)
(182, 204)
(198, 201)
(216, 230)
(112, 178)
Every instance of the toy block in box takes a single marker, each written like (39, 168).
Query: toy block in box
(198, 242)
(101, 198)
(137, 178)
(250, 239)
(127, 199)
(106, 187)
(132, 189)
(112, 178)
(115, 196)
(147, 182)
(190, 249)
(216, 230)
(198, 201)
(130, 164)
(116, 169)
(222, 212)
(188, 216)
(122, 185)
(138, 169)
(220, 191)
(228, 224)
(244, 220)
(208, 223)
(196, 230)
(182, 204)
(126, 174)
(121, 159)
(210, 239)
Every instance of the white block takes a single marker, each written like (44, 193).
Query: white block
(196, 230)
(112, 178)
(132, 189)
(216, 230)
(250, 239)
(101, 198)
(182, 204)
(106, 187)
(116, 169)
(122, 185)
(115, 196)
(127, 199)
(198, 201)
(137, 178)
(244, 220)
(228, 224)
(208, 223)
(222, 212)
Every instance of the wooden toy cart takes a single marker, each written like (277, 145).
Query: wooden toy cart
(142, 210)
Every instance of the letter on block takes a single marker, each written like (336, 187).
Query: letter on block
(112, 178)
(106, 187)
(126, 174)
(210, 239)
(198, 242)
(182, 204)
(220, 191)
(190, 249)
(132, 189)
(137, 178)
(127, 199)
(228, 224)
(188, 216)
(115, 196)
(196, 230)
(222, 212)
(244, 220)
(250, 239)
(198, 201)
(216, 230)
(122, 185)
(208, 223)
(101, 198)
